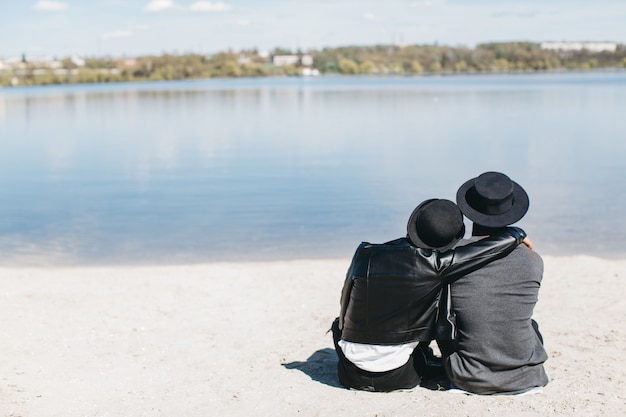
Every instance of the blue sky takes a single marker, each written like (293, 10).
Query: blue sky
(137, 27)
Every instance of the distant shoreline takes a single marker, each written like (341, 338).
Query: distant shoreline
(372, 76)
(376, 60)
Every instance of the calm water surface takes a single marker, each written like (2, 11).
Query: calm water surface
(285, 168)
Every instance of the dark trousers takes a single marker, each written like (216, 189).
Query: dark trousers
(350, 376)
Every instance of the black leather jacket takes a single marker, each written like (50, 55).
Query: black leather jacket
(392, 290)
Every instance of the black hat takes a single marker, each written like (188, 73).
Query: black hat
(436, 224)
(492, 200)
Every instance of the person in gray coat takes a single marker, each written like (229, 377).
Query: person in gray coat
(498, 348)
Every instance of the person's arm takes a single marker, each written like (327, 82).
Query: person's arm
(345, 299)
(347, 286)
(464, 259)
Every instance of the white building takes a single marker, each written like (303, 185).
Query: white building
(281, 60)
(20, 62)
(307, 60)
(310, 72)
(78, 61)
(579, 46)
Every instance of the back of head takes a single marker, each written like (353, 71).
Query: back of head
(436, 224)
(492, 200)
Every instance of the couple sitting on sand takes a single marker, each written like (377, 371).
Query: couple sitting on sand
(474, 297)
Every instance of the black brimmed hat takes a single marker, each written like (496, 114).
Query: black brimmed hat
(436, 224)
(492, 200)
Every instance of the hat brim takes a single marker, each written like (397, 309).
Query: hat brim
(515, 213)
(411, 229)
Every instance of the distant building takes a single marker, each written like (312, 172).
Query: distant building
(579, 46)
(79, 62)
(15, 62)
(307, 60)
(39, 62)
(281, 60)
(310, 71)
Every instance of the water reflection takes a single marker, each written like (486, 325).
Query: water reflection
(2, 110)
(281, 168)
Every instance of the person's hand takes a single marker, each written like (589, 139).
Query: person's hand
(528, 243)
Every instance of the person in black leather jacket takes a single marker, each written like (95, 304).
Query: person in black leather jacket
(395, 296)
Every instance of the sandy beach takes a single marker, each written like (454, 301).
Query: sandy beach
(250, 339)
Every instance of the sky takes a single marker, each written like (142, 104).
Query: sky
(61, 28)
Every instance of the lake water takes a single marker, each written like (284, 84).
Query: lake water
(285, 168)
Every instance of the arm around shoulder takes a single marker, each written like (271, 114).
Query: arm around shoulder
(468, 258)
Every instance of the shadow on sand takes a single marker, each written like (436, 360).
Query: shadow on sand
(321, 366)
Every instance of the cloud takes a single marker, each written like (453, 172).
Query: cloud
(124, 33)
(369, 16)
(49, 6)
(159, 5)
(243, 22)
(207, 6)
(201, 6)
(117, 34)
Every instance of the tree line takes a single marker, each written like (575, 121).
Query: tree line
(377, 59)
